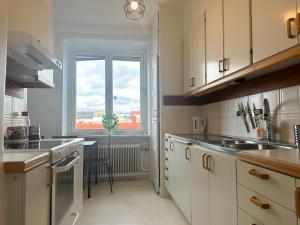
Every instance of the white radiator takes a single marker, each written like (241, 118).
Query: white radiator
(125, 159)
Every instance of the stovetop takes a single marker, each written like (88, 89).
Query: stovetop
(35, 145)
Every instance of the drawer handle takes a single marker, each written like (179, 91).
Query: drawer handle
(259, 203)
(187, 154)
(167, 178)
(262, 176)
(297, 202)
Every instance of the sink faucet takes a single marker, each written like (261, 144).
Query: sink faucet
(268, 120)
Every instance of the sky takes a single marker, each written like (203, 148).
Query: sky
(91, 86)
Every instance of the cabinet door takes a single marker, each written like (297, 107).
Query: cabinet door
(223, 192)
(181, 179)
(79, 182)
(37, 196)
(236, 35)
(199, 188)
(198, 70)
(298, 186)
(187, 62)
(269, 26)
(214, 40)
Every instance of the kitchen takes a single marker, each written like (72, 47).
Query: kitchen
(201, 99)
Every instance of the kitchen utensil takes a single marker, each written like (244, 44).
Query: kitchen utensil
(243, 116)
(250, 115)
(297, 135)
(34, 132)
(256, 116)
(17, 133)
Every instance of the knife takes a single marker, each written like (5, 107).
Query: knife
(250, 115)
(243, 115)
(257, 122)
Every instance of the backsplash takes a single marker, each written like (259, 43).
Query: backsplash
(12, 111)
(284, 106)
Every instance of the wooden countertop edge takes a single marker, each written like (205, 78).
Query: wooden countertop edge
(26, 166)
(291, 169)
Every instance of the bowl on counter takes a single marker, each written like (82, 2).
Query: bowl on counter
(17, 133)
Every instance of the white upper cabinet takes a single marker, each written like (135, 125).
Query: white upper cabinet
(236, 35)
(214, 40)
(270, 21)
(198, 67)
(36, 20)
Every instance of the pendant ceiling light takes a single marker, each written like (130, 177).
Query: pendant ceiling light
(134, 9)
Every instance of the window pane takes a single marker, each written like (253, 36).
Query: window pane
(90, 96)
(126, 92)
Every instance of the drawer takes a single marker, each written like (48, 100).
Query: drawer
(245, 219)
(269, 213)
(276, 186)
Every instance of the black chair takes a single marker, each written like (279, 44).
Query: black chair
(91, 159)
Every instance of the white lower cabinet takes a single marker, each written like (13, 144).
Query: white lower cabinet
(202, 184)
(199, 188)
(245, 219)
(264, 209)
(180, 177)
(29, 197)
(266, 195)
(223, 197)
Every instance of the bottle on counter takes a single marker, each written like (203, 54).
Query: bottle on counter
(27, 122)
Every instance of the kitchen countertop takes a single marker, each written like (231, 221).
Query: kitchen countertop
(283, 161)
(24, 162)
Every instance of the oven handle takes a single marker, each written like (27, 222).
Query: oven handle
(67, 167)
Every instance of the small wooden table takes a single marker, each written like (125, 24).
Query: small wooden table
(89, 147)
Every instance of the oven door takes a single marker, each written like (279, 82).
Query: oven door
(63, 188)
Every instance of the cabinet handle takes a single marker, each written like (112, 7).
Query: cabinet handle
(193, 82)
(262, 176)
(298, 22)
(220, 66)
(187, 156)
(259, 203)
(167, 178)
(225, 64)
(203, 161)
(166, 168)
(171, 146)
(166, 158)
(207, 162)
(297, 202)
(289, 28)
(166, 149)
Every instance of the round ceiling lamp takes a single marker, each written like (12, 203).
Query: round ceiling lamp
(134, 9)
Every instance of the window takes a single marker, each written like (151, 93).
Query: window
(90, 92)
(108, 84)
(126, 92)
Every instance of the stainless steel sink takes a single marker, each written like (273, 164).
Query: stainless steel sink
(255, 146)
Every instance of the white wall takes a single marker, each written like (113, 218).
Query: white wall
(285, 110)
(3, 41)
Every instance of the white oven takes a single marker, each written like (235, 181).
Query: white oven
(63, 189)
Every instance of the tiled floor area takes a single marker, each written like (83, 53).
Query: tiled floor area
(132, 203)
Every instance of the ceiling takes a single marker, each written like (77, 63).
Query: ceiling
(103, 12)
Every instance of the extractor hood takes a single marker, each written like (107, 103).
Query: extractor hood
(28, 62)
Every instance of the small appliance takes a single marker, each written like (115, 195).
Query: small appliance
(199, 124)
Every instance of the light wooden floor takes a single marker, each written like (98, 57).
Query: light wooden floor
(132, 203)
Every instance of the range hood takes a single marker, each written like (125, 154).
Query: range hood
(28, 62)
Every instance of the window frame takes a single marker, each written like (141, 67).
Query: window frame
(109, 57)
